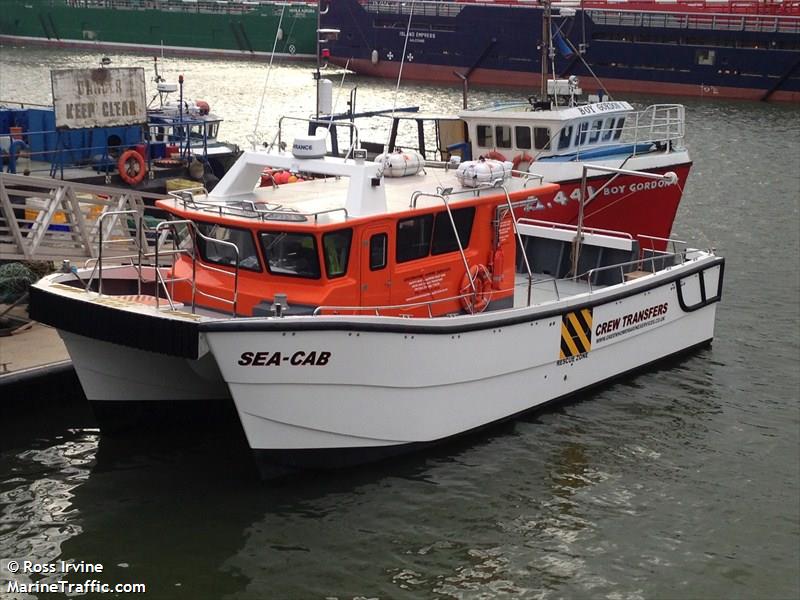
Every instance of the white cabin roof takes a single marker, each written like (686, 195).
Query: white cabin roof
(348, 185)
(522, 112)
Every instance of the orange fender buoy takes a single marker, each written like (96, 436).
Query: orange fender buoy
(476, 300)
(266, 178)
(132, 167)
(520, 158)
(495, 155)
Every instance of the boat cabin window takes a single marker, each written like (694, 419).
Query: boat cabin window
(378, 250)
(522, 137)
(618, 130)
(485, 136)
(291, 254)
(541, 138)
(414, 238)
(444, 240)
(582, 129)
(222, 254)
(336, 246)
(608, 129)
(597, 125)
(503, 135)
(565, 139)
(421, 236)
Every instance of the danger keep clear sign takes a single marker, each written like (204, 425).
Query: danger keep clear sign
(84, 98)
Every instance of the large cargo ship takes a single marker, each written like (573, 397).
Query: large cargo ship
(173, 27)
(744, 49)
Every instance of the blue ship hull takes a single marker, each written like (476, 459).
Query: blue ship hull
(700, 54)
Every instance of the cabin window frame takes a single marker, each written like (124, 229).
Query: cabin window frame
(583, 132)
(425, 234)
(348, 231)
(619, 127)
(608, 129)
(537, 132)
(565, 137)
(518, 143)
(442, 220)
(445, 243)
(594, 131)
(484, 140)
(203, 250)
(502, 137)
(378, 266)
(267, 252)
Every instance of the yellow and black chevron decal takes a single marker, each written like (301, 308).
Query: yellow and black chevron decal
(576, 333)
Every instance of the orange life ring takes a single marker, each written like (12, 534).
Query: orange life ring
(520, 158)
(495, 155)
(132, 167)
(476, 301)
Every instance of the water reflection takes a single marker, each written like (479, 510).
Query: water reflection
(38, 514)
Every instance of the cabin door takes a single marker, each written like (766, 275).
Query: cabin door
(376, 272)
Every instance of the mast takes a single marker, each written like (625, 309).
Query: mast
(317, 74)
(546, 17)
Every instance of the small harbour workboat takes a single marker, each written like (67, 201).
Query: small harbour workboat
(553, 136)
(176, 139)
(353, 315)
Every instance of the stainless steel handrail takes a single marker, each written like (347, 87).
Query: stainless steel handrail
(356, 139)
(674, 242)
(441, 197)
(222, 208)
(570, 227)
(100, 220)
(589, 275)
(194, 232)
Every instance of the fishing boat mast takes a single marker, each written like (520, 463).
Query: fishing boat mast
(546, 42)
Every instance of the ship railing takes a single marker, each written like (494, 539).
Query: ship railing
(320, 124)
(420, 8)
(249, 209)
(184, 6)
(168, 285)
(716, 21)
(443, 195)
(575, 228)
(49, 219)
(644, 265)
(661, 124)
(139, 240)
(677, 245)
(52, 151)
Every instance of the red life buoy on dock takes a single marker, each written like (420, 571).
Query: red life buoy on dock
(476, 300)
(518, 159)
(132, 167)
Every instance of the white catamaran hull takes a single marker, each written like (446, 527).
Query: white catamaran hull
(361, 388)
(114, 373)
